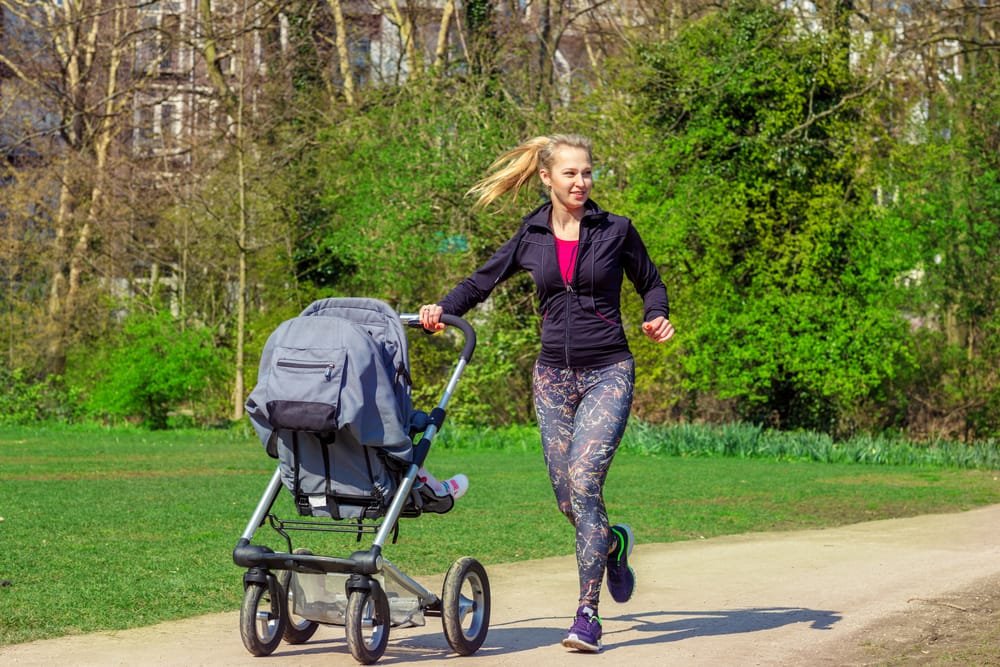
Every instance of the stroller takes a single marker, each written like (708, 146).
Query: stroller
(333, 405)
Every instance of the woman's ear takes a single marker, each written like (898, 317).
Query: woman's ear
(546, 179)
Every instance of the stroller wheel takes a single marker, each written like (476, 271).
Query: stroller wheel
(465, 606)
(262, 619)
(298, 630)
(367, 624)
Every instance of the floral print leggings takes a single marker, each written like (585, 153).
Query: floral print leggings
(582, 415)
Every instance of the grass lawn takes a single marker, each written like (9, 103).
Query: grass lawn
(108, 529)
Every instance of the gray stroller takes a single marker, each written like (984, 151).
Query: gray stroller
(332, 404)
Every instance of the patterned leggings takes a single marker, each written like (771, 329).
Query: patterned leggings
(582, 415)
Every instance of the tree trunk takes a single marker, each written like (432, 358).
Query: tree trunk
(838, 25)
(343, 54)
(241, 234)
(544, 56)
(408, 33)
(241, 280)
(65, 46)
(76, 42)
(209, 51)
(58, 263)
(441, 52)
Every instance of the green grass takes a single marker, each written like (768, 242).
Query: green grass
(108, 529)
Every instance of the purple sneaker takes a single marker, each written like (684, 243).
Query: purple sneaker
(585, 634)
(621, 577)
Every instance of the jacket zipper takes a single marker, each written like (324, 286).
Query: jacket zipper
(567, 327)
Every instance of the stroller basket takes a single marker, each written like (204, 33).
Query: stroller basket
(322, 597)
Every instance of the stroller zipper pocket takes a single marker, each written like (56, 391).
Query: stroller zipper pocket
(304, 389)
(327, 366)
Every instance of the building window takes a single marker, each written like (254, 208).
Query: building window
(144, 130)
(169, 38)
(168, 123)
(158, 48)
(360, 50)
(145, 50)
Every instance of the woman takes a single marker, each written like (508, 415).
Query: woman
(583, 378)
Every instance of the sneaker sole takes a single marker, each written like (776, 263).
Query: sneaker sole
(578, 644)
(630, 594)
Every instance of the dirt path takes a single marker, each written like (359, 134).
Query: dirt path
(810, 597)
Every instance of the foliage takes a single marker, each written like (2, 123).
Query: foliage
(748, 441)
(392, 180)
(779, 262)
(825, 221)
(392, 222)
(945, 185)
(495, 389)
(28, 400)
(151, 368)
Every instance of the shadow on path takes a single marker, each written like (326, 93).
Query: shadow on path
(711, 623)
(658, 627)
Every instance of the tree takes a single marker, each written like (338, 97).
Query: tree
(777, 256)
(71, 61)
(229, 37)
(945, 184)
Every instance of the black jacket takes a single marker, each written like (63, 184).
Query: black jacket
(581, 322)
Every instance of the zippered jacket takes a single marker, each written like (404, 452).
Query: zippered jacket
(581, 321)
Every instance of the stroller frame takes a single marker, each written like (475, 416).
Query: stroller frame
(266, 618)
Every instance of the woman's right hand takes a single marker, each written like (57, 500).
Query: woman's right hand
(660, 330)
(430, 317)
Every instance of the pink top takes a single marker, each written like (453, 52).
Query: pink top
(566, 253)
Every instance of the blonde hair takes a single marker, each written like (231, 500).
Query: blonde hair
(514, 168)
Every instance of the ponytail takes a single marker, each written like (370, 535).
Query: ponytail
(515, 167)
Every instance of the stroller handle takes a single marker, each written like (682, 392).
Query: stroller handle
(413, 320)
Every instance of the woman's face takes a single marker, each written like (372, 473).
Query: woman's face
(570, 179)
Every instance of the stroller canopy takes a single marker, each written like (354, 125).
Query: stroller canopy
(341, 367)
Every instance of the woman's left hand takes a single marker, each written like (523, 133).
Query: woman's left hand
(659, 330)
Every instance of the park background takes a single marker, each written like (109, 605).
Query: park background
(817, 182)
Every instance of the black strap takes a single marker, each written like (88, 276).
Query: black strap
(325, 449)
(402, 372)
(295, 462)
(301, 501)
(331, 503)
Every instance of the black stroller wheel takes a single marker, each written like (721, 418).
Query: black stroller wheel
(262, 619)
(298, 630)
(367, 624)
(465, 606)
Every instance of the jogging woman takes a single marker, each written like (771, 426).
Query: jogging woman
(583, 378)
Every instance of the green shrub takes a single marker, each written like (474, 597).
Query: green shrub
(29, 400)
(153, 369)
